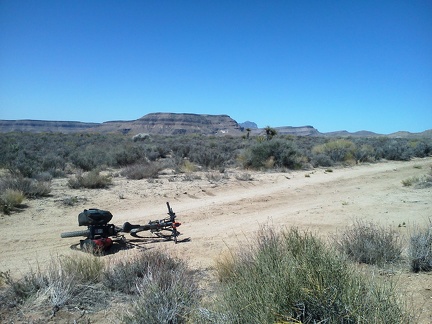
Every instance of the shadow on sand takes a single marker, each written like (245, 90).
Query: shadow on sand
(141, 242)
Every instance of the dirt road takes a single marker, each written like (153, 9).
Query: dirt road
(219, 211)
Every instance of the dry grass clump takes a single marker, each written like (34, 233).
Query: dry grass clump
(244, 176)
(419, 182)
(165, 288)
(10, 198)
(64, 282)
(420, 249)
(14, 188)
(30, 188)
(295, 277)
(370, 243)
(160, 289)
(142, 171)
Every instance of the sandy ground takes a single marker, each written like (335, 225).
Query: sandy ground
(219, 212)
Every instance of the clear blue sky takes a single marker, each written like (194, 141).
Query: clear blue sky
(336, 65)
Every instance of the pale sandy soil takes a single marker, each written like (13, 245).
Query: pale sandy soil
(222, 214)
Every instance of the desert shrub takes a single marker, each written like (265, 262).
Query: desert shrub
(370, 243)
(44, 176)
(90, 180)
(244, 176)
(420, 249)
(364, 153)
(206, 151)
(128, 155)
(419, 182)
(53, 164)
(89, 159)
(295, 277)
(187, 166)
(321, 159)
(191, 177)
(125, 274)
(210, 158)
(30, 188)
(216, 176)
(281, 153)
(425, 182)
(70, 200)
(10, 199)
(166, 289)
(142, 171)
(339, 150)
(84, 268)
(65, 280)
(409, 181)
(421, 147)
(395, 149)
(19, 290)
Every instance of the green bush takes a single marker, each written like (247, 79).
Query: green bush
(340, 150)
(128, 155)
(268, 154)
(32, 154)
(294, 277)
(321, 159)
(370, 243)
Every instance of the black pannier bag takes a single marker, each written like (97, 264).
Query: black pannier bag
(94, 216)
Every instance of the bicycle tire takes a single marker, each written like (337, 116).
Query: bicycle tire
(76, 233)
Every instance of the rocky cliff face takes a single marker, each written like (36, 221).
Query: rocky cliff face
(39, 126)
(173, 124)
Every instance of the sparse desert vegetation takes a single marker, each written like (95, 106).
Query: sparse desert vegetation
(333, 248)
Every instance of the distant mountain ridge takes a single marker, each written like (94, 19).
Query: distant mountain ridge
(179, 123)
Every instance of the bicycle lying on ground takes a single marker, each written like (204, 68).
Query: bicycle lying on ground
(100, 235)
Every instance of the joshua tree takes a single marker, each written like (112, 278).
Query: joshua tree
(270, 132)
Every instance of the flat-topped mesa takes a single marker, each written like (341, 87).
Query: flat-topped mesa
(183, 123)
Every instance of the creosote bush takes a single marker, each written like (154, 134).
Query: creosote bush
(30, 188)
(269, 154)
(370, 243)
(340, 150)
(91, 180)
(34, 154)
(142, 171)
(294, 277)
